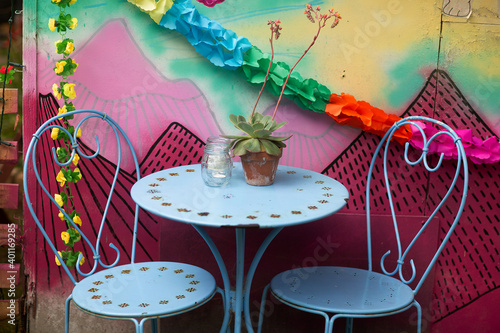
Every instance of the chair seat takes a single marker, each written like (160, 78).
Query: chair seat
(144, 290)
(341, 290)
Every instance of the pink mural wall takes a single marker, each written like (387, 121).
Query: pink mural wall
(169, 99)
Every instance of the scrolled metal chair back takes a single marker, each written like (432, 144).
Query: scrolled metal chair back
(440, 133)
(31, 166)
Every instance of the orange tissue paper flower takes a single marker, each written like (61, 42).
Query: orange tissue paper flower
(345, 110)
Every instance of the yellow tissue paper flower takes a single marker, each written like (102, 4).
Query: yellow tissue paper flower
(79, 133)
(55, 91)
(76, 159)
(54, 133)
(79, 174)
(77, 220)
(57, 260)
(60, 178)
(69, 48)
(58, 199)
(60, 66)
(69, 90)
(62, 111)
(72, 2)
(52, 24)
(65, 237)
(73, 25)
(155, 9)
(61, 215)
(56, 1)
(82, 260)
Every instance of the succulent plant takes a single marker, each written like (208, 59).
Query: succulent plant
(259, 130)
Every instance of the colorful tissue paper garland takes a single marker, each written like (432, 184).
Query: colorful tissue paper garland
(345, 110)
(477, 150)
(221, 46)
(225, 49)
(155, 9)
(210, 3)
(308, 94)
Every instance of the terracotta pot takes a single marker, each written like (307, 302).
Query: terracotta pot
(260, 168)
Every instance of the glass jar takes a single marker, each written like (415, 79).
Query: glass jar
(216, 163)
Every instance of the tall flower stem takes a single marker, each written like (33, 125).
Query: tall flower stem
(275, 33)
(321, 19)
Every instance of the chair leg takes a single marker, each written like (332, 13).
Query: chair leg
(419, 316)
(349, 324)
(66, 313)
(227, 316)
(262, 307)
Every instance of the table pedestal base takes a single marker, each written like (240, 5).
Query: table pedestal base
(238, 300)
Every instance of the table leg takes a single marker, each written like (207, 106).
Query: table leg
(240, 303)
(251, 272)
(225, 276)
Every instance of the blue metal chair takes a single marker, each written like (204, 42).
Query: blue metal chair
(135, 291)
(345, 292)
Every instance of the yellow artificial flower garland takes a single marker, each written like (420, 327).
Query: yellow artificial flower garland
(68, 175)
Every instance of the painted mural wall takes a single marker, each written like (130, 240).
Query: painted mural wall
(170, 91)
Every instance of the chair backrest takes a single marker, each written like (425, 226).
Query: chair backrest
(53, 219)
(430, 136)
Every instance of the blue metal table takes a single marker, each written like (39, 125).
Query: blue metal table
(297, 196)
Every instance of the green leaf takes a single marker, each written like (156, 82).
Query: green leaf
(235, 137)
(257, 118)
(278, 138)
(266, 119)
(71, 258)
(245, 127)
(241, 119)
(239, 148)
(75, 176)
(64, 198)
(262, 133)
(258, 126)
(233, 118)
(270, 147)
(253, 145)
(62, 154)
(280, 144)
(277, 126)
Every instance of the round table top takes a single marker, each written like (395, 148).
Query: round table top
(297, 196)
